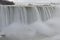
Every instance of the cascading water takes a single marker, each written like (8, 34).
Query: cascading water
(24, 14)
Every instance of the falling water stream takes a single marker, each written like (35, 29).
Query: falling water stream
(25, 14)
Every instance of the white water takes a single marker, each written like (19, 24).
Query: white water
(25, 15)
(28, 18)
(35, 31)
(54, 23)
(17, 31)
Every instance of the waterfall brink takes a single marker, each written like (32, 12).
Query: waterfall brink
(24, 14)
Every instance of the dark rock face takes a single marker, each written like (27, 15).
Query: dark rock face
(3, 2)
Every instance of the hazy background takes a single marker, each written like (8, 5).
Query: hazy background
(39, 1)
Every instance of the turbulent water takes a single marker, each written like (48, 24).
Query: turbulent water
(25, 15)
(35, 31)
(54, 23)
(26, 23)
(17, 31)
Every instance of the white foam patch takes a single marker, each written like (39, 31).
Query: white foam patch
(43, 29)
(19, 31)
(55, 24)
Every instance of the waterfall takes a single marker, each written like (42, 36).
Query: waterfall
(24, 14)
(57, 11)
